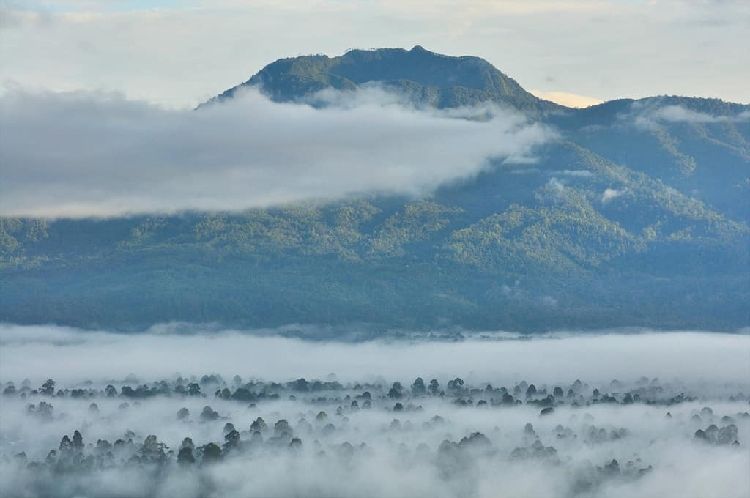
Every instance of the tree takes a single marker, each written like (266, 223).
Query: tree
(65, 444)
(153, 450)
(77, 441)
(185, 456)
(258, 425)
(43, 410)
(434, 387)
(243, 394)
(456, 384)
(300, 385)
(231, 440)
(103, 446)
(48, 388)
(211, 453)
(282, 428)
(418, 388)
(396, 391)
(209, 414)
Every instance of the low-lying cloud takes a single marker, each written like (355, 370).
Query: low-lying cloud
(91, 154)
(649, 117)
(73, 355)
(610, 194)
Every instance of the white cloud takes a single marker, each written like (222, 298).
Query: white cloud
(650, 116)
(85, 154)
(610, 193)
(553, 191)
(580, 173)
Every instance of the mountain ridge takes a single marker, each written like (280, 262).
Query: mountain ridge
(292, 78)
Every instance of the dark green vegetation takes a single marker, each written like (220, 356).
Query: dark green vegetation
(425, 77)
(630, 219)
(460, 438)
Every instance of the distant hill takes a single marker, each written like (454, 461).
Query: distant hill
(638, 216)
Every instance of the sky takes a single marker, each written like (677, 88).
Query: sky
(180, 53)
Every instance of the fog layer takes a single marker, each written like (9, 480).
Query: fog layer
(98, 414)
(39, 352)
(93, 154)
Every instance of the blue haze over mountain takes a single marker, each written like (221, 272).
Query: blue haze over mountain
(637, 216)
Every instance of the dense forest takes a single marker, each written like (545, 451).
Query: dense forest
(425, 436)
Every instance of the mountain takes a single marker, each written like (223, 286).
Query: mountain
(638, 216)
(425, 77)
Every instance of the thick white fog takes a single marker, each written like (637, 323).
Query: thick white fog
(606, 415)
(93, 154)
(39, 352)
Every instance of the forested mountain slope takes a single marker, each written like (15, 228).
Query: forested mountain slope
(637, 216)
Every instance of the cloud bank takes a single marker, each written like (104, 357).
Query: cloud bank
(74, 355)
(93, 154)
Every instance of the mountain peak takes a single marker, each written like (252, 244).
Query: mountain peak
(427, 78)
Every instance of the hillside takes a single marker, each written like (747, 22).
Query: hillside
(637, 216)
